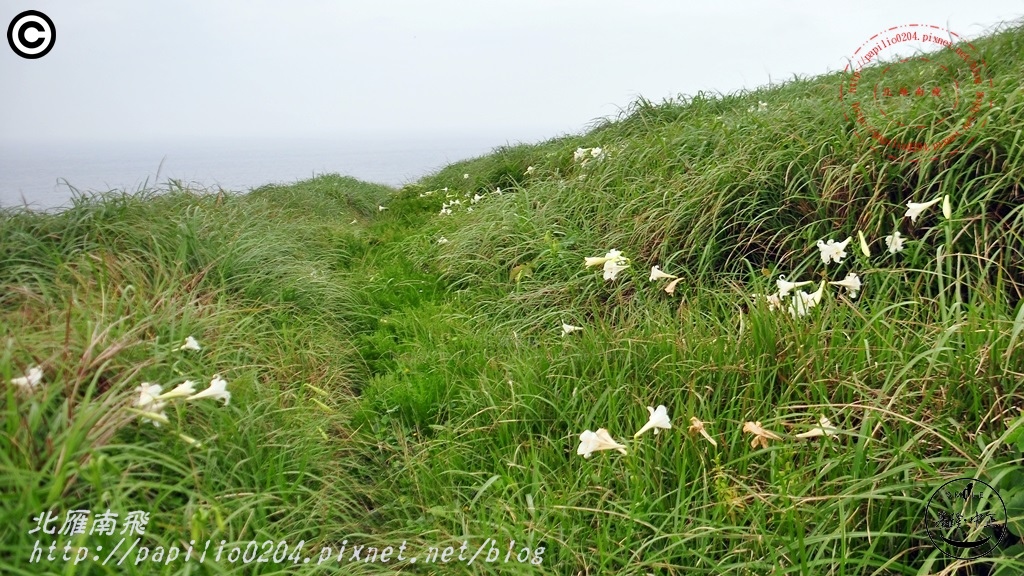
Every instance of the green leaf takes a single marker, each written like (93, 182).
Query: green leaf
(1015, 512)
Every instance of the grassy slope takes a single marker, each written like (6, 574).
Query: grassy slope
(388, 388)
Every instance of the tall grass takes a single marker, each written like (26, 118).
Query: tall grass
(388, 388)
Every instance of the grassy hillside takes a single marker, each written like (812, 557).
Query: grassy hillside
(399, 374)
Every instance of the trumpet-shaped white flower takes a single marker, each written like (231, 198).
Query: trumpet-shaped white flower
(497, 191)
(445, 189)
(529, 170)
(579, 154)
(613, 267)
(851, 283)
(190, 344)
(785, 287)
(914, 209)
(833, 250)
(186, 388)
(155, 414)
(824, 428)
(442, 240)
(697, 427)
(381, 208)
(591, 442)
(761, 436)
(596, 152)
(658, 421)
(148, 394)
(894, 242)
(465, 176)
(814, 298)
(803, 302)
(863, 244)
(445, 211)
(612, 254)
(947, 209)
(476, 198)
(456, 202)
(569, 329)
(33, 376)
(671, 288)
(774, 300)
(217, 390)
(657, 274)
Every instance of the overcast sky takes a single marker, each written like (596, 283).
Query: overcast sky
(518, 70)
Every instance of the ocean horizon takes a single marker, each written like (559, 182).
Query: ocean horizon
(46, 176)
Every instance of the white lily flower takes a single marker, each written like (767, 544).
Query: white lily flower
(914, 209)
(947, 209)
(785, 287)
(658, 421)
(456, 202)
(148, 394)
(529, 170)
(697, 427)
(591, 442)
(465, 176)
(470, 209)
(803, 302)
(851, 283)
(671, 288)
(381, 208)
(217, 390)
(33, 376)
(445, 211)
(186, 388)
(824, 428)
(894, 242)
(833, 250)
(863, 244)
(190, 344)
(569, 329)
(612, 254)
(442, 240)
(761, 436)
(613, 267)
(445, 189)
(579, 154)
(155, 414)
(657, 274)
(476, 198)
(774, 300)
(814, 298)
(497, 191)
(596, 152)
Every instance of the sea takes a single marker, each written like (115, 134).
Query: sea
(46, 176)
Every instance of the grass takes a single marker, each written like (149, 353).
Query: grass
(389, 389)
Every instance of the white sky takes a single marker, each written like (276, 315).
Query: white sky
(516, 70)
